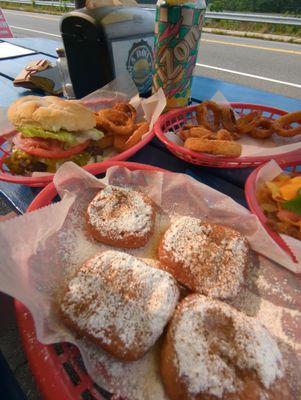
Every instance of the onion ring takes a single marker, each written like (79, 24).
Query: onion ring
(282, 124)
(243, 123)
(127, 108)
(261, 128)
(203, 114)
(228, 118)
(114, 121)
(106, 141)
(122, 143)
(119, 142)
(217, 147)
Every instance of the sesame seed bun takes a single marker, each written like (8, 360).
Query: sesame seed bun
(51, 113)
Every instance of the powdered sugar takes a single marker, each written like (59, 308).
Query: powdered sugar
(273, 297)
(117, 211)
(214, 257)
(117, 292)
(201, 328)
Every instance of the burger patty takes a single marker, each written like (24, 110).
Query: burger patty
(21, 163)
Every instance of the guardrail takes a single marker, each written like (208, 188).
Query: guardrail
(50, 3)
(271, 19)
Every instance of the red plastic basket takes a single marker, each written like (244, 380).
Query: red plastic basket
(174, 120)
(58, 369)
(290, 164)
(6, 176)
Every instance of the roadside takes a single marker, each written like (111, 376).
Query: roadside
(253, 35)
(37, 9)
(265, 31)
(258, 30)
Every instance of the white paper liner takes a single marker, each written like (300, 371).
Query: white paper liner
(39, 251)
(267, 173)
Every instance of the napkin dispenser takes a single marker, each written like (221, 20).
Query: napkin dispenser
(105, 42)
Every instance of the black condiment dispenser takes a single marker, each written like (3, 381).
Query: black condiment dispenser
(104, 42)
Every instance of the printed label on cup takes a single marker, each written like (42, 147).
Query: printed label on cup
(178, 31)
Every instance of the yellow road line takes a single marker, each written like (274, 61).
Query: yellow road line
(295, 52)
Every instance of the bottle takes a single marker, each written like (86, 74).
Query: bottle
(64, 74)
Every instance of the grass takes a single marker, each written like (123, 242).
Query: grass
(35, 8)
(256, 27)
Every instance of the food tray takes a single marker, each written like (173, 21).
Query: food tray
(174, 120)
(291, 165)
(58, 369)
(42, 181)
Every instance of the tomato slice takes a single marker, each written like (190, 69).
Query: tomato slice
(47, 148)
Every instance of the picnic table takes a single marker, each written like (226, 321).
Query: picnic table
(19, 197)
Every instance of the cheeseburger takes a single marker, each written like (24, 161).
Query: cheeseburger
(50, 131)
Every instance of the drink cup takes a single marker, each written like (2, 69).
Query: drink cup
(177, 35)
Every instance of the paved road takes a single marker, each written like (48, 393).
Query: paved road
(271, 66)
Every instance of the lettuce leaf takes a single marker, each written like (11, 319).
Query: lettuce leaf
(293, 205)
(62, 135)
(66, 137)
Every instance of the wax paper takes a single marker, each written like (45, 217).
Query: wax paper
(41, 249)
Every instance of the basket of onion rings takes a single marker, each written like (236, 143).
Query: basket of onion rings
(273, 194)
(236, 135)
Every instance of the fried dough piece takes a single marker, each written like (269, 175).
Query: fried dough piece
(121, 217)
(212, 351)
(207, 258)
(119, 302)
